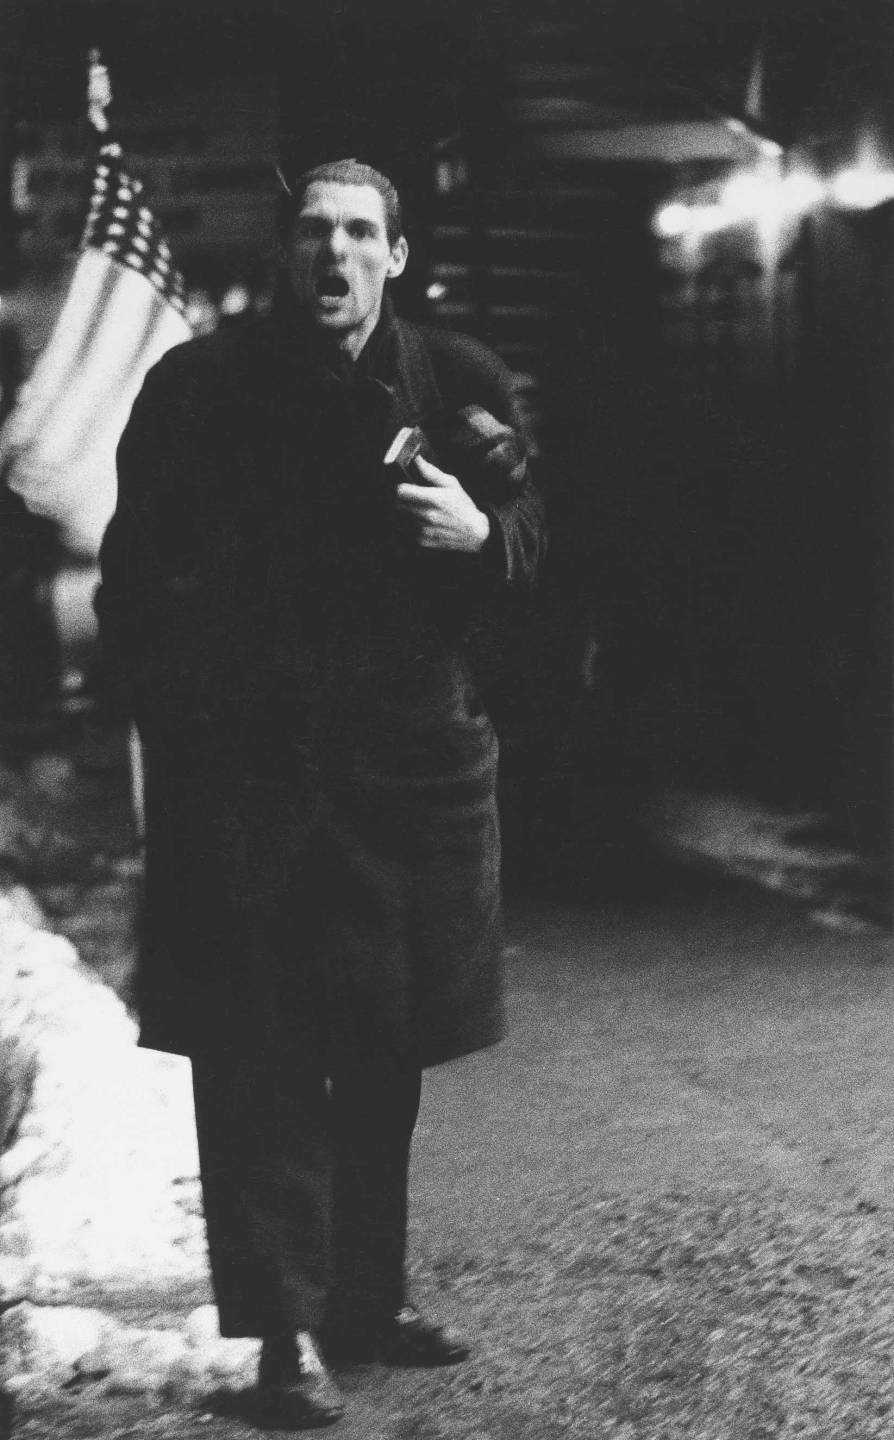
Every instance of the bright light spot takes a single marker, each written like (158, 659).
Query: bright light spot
(752, 197)
(672, 220)
(800, 192)
(769, 198)
(691, 222)
(863, 188)
(436, 291)
(745, 195)
(451, 174)
(770, 149)
(235, 300)
(708, 219)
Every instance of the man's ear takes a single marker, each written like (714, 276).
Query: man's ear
(398, 262)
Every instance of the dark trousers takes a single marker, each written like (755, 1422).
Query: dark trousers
(304, 1177)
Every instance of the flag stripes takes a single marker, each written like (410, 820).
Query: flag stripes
(125, 229)
(123, 310)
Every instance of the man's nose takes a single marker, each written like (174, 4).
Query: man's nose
(338, 239)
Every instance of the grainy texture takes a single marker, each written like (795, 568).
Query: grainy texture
(662, 1209)
(722, 1318)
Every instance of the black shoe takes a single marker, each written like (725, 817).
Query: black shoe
(406, 1339)
(409, 1339)
(295, 1390)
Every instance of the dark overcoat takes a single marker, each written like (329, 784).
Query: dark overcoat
(322, 834)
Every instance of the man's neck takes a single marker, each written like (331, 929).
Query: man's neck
(350, 344)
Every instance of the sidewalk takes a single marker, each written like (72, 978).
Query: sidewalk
(663, 1206)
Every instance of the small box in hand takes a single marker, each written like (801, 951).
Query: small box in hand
(407, 445)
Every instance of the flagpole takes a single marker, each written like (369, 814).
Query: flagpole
(99, 93)
(123, 309)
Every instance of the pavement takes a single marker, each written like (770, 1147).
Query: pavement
(711, 1032)
(662, 1206)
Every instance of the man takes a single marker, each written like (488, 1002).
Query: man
(290, 621)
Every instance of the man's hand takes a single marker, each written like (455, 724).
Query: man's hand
(446, 516)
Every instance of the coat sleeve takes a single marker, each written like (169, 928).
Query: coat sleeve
(469, 373)
(149, 597)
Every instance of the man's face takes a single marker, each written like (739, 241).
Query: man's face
(339, 257)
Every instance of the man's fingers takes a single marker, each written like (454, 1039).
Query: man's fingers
(412, 494)
(431, 474)
(444, 516)
(422, 499)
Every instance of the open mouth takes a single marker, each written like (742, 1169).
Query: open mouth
(332, 287)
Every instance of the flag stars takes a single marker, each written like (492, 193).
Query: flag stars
(120, 225)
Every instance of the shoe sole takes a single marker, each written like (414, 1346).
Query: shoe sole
(398, 1362)
(284, 1412)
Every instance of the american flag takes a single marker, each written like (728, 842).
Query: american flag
(121, 226)
(123, 309)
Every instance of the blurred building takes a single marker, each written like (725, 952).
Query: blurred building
(674, 220)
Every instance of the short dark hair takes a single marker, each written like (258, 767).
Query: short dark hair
(349, 172)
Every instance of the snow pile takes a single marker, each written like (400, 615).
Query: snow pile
(100, 1130)
(780, 851)
(71, 1346)
(98, 1178)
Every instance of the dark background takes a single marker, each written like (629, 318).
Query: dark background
(716, 434)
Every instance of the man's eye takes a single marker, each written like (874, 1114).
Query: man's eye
(310, 229)
(361, 230)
